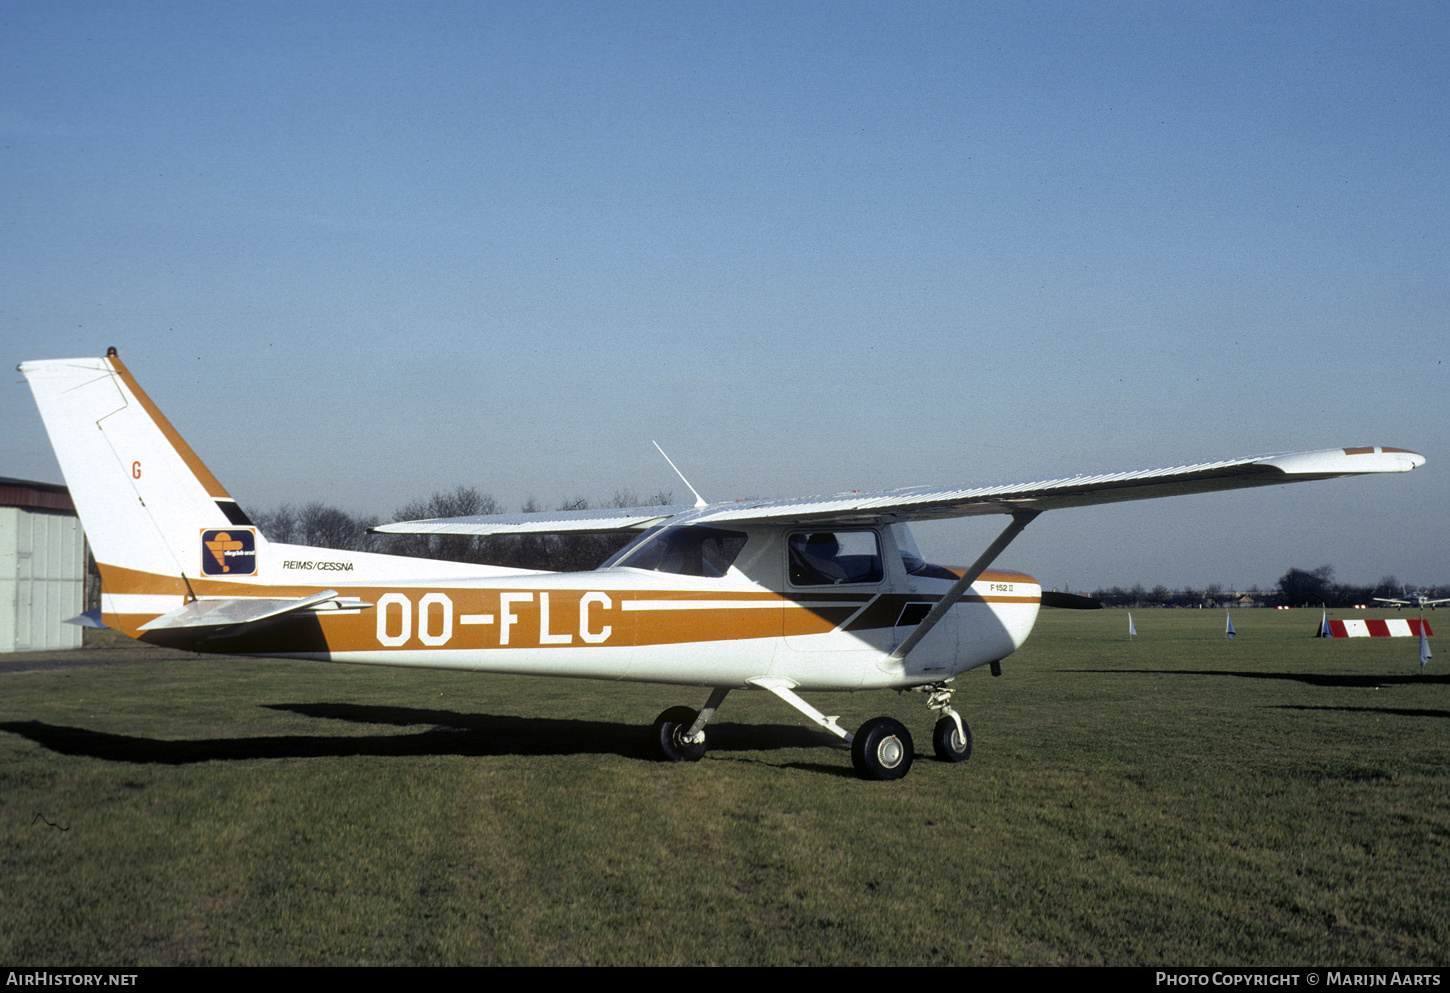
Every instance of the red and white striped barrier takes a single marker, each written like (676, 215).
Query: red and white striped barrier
(1374, 627)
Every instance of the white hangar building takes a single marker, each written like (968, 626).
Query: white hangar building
(42, 567)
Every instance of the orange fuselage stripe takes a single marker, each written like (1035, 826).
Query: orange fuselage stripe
(480, 617)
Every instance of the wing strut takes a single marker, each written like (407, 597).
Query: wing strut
(1020, 520)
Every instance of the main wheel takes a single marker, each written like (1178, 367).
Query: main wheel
(669, 730)
(882, 749)
(950, 744)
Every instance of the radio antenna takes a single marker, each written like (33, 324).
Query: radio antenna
(699, 500)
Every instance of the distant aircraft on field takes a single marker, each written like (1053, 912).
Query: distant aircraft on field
(1416, 599)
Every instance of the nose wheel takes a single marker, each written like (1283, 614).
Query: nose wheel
(951, 739)
(952, 744)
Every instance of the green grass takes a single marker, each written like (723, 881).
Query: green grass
(1179, 799)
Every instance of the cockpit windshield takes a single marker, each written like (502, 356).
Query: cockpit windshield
(684, 551)
(906, 544)
(911, 559)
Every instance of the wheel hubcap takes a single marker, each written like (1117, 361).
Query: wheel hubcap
(889, 752)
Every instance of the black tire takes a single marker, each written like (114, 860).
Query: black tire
(882, 750)
(948, 744)
(669, 728)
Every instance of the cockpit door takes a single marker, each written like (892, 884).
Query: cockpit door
(833, 579)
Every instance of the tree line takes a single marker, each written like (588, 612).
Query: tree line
(322, 526)
(1296, 588)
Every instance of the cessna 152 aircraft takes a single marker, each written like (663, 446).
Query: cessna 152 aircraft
(788, 596)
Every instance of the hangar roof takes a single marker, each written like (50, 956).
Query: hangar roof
(40, 496)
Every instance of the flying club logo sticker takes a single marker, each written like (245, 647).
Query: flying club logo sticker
(232, 552)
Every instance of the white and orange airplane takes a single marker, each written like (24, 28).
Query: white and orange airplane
(1416, 599)
(788, 596)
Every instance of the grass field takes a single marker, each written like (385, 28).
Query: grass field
(1178, 799)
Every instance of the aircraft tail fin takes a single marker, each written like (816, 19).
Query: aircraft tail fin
(155, 516)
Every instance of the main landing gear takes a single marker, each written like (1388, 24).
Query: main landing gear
(679, 733)
(881, 749)
(672, 736)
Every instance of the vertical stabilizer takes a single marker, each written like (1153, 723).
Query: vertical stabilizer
(152, 511)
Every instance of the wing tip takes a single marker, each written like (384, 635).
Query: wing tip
(1345, 461)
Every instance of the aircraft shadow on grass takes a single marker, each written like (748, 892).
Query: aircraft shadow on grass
(445, 732)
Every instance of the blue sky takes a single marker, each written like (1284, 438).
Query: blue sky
(360, 252)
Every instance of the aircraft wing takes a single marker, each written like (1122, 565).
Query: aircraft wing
(930, 503)
(605, 520)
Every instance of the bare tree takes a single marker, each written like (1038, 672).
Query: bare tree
(278, 525)
(321, 526)
(462, 501)
(318, 526)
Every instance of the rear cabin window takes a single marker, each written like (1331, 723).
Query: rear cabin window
(830, 558)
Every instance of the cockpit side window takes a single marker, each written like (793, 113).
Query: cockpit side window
(830, 558)
(683, 551)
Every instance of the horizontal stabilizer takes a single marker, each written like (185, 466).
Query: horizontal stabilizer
(226, 612)
(90, 619)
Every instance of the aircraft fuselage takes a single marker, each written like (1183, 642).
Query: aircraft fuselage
(622, 622)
